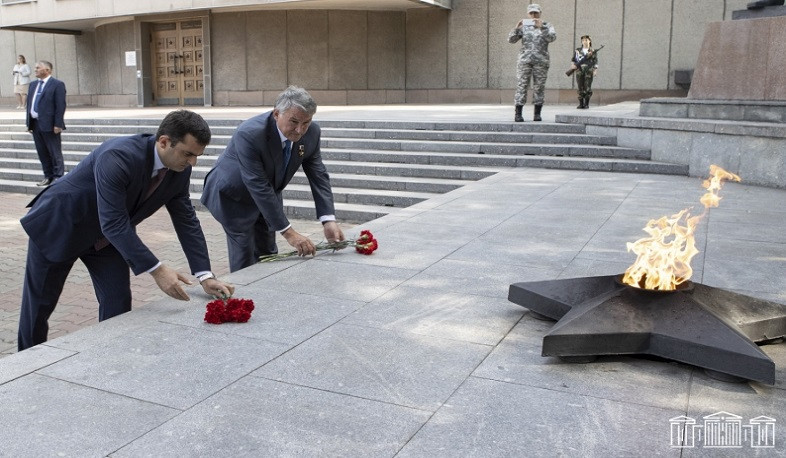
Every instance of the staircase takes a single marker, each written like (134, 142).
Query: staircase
(376, 167)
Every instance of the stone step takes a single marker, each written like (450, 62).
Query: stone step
(29, 160)
(372, 203)
(769, 111)
(463, 136)
(387, 191)
(20, 186)
(402, 151)
(129, 126)
(295, 208)
(99, 134)
(460, 147)
(456, 166)
(411, 170)
(363, 196)
(152, 124)
(304, 209)
(377, 162)
(367, 182)
(113, 131)
(386, 136)
(505, 159)
(544, 127)
(394, 183)
(77, 150)
(374, 197)
(376, 167)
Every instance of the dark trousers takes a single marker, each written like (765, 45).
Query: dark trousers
(44, 282)
(246, 246)
(50, 152)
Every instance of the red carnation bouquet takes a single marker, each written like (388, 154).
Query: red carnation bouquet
(364, 244)
(232, 310)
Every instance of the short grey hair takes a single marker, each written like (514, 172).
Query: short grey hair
(46, 64)
(297, 97)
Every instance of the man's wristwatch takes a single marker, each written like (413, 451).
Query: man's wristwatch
(205, 276)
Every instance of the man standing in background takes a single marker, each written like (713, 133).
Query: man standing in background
(46, 104)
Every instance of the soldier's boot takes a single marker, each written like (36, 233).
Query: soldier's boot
(581, 102)
(586, 101)
(518, 117)
(537, 117)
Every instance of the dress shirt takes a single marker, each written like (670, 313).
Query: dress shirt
(158, 165)
(322, 219)
(38, 90)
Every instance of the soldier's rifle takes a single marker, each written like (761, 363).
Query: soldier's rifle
(584, 59)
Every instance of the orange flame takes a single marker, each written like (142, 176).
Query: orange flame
(663, 261)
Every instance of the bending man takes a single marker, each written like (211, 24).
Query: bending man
(244, 189)
(92, 213)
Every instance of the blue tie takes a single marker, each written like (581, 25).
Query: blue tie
(287, 154)
(38, 92)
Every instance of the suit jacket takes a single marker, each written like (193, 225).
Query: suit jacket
(247, 178)
(51, 106)
(104, 197)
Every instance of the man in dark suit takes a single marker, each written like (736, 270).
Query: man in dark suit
(45, 110)
(92, 213)
(244, 189)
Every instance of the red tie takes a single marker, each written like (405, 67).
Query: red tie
(154, 183)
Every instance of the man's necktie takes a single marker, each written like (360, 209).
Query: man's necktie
(287, 154)
(154, 183)
(38, 92)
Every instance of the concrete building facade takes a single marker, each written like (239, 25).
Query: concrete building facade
(235, 52)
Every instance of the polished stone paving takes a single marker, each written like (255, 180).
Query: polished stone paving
(414, 350)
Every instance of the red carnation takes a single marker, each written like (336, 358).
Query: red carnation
(367, 248)
(233, 310)
(239, 310)
(215, 312)
(365, 237)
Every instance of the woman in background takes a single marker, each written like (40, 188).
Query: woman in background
(21, 81)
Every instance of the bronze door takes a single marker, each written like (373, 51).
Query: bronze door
(178, 63)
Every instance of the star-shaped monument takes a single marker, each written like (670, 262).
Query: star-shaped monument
(699, 325)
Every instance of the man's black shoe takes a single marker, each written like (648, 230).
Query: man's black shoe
(45, 182)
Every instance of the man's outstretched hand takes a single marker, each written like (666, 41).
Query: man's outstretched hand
(218, 288)
(169, 280)
(301, 243)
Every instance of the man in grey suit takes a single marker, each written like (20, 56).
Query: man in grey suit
(244, 189)
(92, 213)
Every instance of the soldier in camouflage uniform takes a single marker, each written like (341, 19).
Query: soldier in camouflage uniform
(535, 36)
(587, 72)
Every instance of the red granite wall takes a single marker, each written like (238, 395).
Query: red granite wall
(742, 60)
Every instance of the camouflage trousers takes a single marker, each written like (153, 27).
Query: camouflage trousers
(538, 72)
(584, 83)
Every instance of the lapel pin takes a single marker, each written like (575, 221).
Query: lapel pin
(301, 150)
